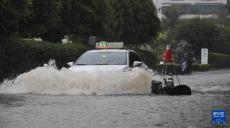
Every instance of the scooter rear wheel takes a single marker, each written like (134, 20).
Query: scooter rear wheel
(181, 90)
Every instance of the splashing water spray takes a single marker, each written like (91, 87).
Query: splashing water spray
(49, 80)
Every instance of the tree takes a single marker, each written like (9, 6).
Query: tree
(223, 18)
(45, 20)
(103, 19)
(201, 33)
(135, 21)
(228, 5)
(12, 14)
(223, 43)
(171, 15)
(86, 17)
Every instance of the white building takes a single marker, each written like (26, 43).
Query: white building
(191, 8)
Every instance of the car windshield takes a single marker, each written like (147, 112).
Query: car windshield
(103, 58)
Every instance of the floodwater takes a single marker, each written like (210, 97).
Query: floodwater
(49, 98)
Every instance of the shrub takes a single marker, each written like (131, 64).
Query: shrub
(200, 67)
(175, 68)
(219, 60)
(223, 43)
(19, 55)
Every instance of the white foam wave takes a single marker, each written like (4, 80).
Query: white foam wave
(48, 80)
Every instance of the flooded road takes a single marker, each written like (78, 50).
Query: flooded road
(211, 90)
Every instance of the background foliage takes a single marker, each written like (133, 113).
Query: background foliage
(44, 20)
(18, 55)
(131, 21)
(135, 21)
(201, 33)
(219, 60)
(12, 14)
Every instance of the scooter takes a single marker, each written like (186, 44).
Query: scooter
(167, 86)
(185, 65)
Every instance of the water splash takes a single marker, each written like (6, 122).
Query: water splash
(48, 80)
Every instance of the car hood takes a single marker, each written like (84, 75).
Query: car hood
(93, 68)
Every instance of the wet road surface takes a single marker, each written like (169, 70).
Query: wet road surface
(210, 91)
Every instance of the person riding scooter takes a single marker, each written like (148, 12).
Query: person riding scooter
(185, 64)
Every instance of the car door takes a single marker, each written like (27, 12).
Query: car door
(133, 57)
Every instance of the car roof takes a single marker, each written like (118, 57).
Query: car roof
(109, 50)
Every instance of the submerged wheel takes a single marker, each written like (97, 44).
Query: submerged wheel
(156, 87)
(181, 90)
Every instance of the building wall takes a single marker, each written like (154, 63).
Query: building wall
(203, 7)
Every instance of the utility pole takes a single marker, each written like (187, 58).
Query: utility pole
(228, 5)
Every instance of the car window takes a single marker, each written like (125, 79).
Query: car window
(133, 57)
(103, 58)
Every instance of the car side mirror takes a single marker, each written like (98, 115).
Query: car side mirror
(137, 63)
(70, 63)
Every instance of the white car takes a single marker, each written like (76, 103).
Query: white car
(123, 60)
(107, 60)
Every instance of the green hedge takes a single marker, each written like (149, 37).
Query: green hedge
(176, 68)
(18, 55)
(219, 60)
(200, 67)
